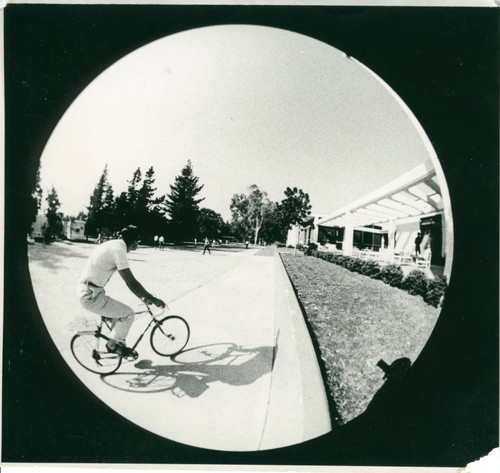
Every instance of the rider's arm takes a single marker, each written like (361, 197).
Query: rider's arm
(136, 287)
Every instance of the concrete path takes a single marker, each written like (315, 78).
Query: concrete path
(248, 379)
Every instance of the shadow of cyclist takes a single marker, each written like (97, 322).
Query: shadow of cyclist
(234, 365)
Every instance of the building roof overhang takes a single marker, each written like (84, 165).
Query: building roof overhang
(412, 195)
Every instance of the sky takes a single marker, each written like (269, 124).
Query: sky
(247, 105)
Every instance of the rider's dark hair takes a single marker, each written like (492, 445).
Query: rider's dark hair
(130, 234)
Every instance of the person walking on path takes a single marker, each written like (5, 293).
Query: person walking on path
(108, 258)
(206, 246)
(156, 242)
(161, 242)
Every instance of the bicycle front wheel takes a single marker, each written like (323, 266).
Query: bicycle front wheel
(170, 335)
(89, 349)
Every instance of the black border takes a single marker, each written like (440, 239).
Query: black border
(443, 63)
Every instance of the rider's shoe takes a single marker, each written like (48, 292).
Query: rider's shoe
(120, 349)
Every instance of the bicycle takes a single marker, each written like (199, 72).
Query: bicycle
(168, 337)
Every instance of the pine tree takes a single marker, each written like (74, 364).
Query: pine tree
(182, 205)
(121, 211)
(54, 218)
(107, 214)
(38, 192)
(134, 191)
(148, 212)
(100, 207)
(143, 200)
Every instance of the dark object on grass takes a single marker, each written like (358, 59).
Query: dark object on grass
(396, 370)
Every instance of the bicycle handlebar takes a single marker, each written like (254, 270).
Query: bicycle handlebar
(151, 309)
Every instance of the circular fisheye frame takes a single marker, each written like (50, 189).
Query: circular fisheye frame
(283, 193)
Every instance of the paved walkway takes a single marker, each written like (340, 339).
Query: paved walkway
(248, 379)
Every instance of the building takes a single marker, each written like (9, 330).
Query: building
(38, 227)
(384, 224)
(75, 229)
(305, 233)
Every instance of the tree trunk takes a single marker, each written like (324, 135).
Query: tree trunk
(257, 228)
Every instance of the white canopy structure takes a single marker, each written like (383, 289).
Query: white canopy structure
(400, 209)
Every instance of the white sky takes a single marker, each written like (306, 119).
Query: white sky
(248, 105)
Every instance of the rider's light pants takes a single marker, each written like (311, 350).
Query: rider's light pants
(94, 299)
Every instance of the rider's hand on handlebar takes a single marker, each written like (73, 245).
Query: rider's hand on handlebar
(154, 301)
(159, 303)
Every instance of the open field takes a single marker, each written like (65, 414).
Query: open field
(357, 322)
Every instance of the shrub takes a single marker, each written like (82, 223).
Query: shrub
(354, 265)
(415, 283)
(392, 274)
(436, 289)
(340, 260)
(310, 248)
(370, 268)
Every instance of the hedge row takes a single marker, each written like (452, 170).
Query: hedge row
(415, 283)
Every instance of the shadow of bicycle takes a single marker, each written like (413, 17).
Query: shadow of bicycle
(195, 369)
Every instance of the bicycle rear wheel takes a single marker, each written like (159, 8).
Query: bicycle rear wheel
(89, 349)
(170, 335)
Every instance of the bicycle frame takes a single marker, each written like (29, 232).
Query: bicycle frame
(153, 320)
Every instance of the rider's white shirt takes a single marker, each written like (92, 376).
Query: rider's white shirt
(104, 261)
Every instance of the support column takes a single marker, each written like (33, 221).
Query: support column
(348, 234)
(391, 244)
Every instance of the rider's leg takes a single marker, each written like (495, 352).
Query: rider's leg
(95, 300)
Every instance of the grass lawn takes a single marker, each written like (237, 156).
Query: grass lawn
(357, 321)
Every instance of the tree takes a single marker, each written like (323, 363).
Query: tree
(211, 224)
(295, 208)
(107, 216)
(81, 216)
(138, 206)
(248, 212)
(272, 225)
(148, 214)
(37, 192)
(54, 218)
(121, 211)
(133, 192)
(182, 205)
(100, 209)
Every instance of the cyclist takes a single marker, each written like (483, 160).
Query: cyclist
(102, 264)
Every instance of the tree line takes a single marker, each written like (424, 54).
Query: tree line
(178, 215)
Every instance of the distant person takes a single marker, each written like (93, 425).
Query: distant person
(156, 241)
(161, 242)
(45, 235)
(418, 242)
(206, 246)
(195, 243)
(246, 244)
(99, 238)
(102, 264)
